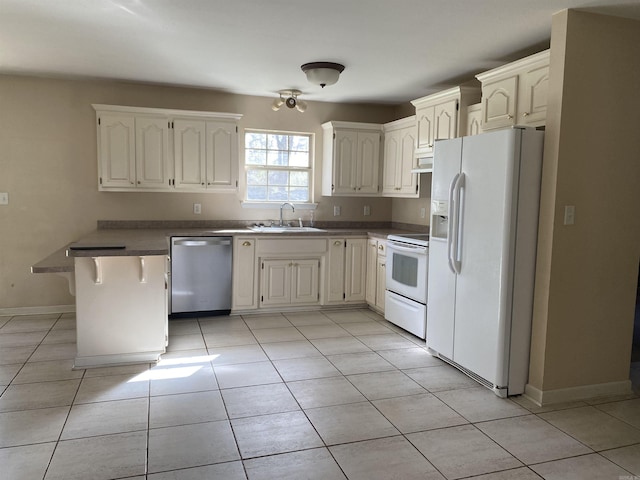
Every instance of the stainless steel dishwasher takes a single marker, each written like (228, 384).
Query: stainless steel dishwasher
(201, 275)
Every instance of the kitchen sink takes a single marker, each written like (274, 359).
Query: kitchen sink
(285, 229)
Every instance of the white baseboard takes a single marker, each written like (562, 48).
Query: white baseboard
(572, 394)
(37, 310)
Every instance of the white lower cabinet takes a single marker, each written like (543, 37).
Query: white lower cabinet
(289, 282)
(346, 270)
(376, 273)
(245, 280)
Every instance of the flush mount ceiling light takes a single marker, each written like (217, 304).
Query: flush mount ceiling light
(290, 99)
(322, 73)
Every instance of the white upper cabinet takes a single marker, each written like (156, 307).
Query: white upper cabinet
(116, 151)
(442, 115)
(474, 119)
(151, 149)
(351, 159)
(399, 159)
(152, 152)
(189, 154)
(516, 93)
(222, 155)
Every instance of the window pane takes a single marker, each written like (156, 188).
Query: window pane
(255, 140)
(278, 142)
(278, 193)
(257, 193)
(299, 143)
(256, 157)
(299, 194)
(277, 177)
(275, 157)
(256, 177)
(300, 179)
(299, 159)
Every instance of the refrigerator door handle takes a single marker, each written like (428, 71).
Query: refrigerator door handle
(458, 195)
(451, 214)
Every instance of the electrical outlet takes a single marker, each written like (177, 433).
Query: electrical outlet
(197, 208)
(423, 212)
(336, 210)
(367, 210)
(4, 198)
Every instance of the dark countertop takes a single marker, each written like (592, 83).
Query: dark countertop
(155, 241)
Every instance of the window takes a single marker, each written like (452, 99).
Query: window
(278, 166)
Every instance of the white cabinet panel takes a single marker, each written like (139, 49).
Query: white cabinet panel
(152, 152)
(116, 150)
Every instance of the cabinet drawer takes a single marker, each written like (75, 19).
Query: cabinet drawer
(289, 246)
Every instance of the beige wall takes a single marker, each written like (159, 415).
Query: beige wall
(48, 167)
(587, 273)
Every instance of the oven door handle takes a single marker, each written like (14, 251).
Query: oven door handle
(404, 248)
(452, 221)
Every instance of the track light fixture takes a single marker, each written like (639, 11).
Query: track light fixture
(290, 99)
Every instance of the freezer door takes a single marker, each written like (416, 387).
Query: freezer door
(485, 254)
(440, 300)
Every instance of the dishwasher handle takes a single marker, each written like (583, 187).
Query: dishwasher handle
(202, 242)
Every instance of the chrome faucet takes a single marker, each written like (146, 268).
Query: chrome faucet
(281, 207)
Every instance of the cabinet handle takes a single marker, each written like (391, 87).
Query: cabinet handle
(138, 182)
(337, 243)
(384, 265)
(525, 114)
(373, 246)
(246, 244)
(509, 117)
(380, 247)
(203, 184)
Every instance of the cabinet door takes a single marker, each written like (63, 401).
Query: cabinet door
(189, 154)
(499, 103)
(381, 281)
(391, 158)
(372, 268)
(532, 97)
(345, 151)
(304, 281)
(424, 121)
(244, 273)
(335, 271)
(408, 182)
(116, 150)
(446, 120)
(222, 156)
(276, 282)
(355, 270)
(474, 119)
(152, 152)
(368, 164)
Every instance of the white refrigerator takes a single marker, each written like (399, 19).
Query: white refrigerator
(482, 249)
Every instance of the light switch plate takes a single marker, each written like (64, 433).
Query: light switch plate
(569, 214)
(4, 198)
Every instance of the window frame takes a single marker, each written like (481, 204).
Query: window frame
(310, 169)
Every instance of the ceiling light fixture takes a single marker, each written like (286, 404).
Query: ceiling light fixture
(290, 99)
(322, 73)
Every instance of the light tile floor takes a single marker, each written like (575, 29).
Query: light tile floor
(316, 395)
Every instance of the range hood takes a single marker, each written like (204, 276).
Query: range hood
(424, 165)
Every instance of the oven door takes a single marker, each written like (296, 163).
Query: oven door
(407, 270)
